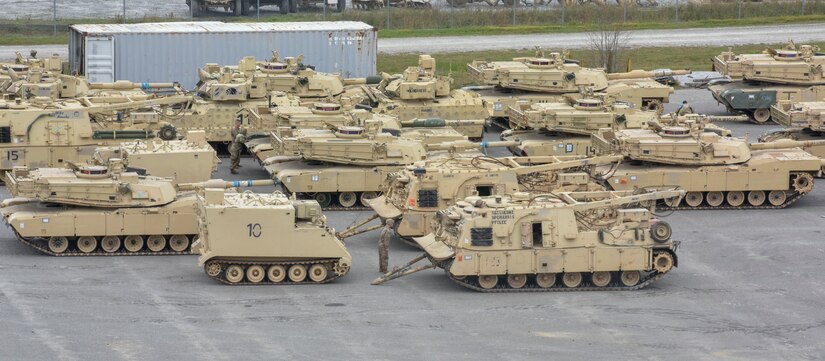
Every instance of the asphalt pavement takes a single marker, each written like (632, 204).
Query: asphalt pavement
(747, 288)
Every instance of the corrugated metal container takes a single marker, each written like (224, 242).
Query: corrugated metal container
(165, 52)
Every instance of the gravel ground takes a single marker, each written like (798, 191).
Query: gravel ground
(746, 289)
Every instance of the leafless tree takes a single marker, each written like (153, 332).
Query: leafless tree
(607, 42)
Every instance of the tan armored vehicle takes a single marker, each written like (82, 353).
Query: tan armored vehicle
(102, 210)
(758, 81)
(554, 242)
(419, 94)
(415, 193)
(249, 238)
(717, 172)
(42, 133)
(345, 167)
(184, 161)
(804, 121)
(558, 75)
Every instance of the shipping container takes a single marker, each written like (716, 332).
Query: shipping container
(167, 52)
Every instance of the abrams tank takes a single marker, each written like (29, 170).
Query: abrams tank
(414, 194)
(102, 211)
(758, 81)
(419, 94)
(558, 75)
(559, 242)
(249, 238)
(717, 172)
(804, 121)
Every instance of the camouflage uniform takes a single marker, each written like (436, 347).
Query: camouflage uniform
(384, 246)
(235, 151)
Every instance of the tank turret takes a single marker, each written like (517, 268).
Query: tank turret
(553, 74)
(791, 65)
(249, 238)
(557, 242)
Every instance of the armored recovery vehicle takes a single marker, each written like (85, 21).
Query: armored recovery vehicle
(102, 211)
(249, 238)
(556, 242)
(717, 172)
(758, 81)
(415, 193)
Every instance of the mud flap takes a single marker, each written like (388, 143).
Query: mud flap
(437, 250)
(383, 208)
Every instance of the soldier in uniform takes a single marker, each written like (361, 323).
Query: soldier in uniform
(684, 109)
(384, 246)
(238, 138)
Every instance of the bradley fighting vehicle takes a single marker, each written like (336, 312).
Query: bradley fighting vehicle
(185, 161)
(420, 94)
(758, 81)
(717, 172)
(551, 242)
(803, 121)
(415, 193)
(346, 166)
(249, 238)
(43, 133)
(541, 79)
(102, 210)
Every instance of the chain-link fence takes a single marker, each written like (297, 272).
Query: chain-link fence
(41, 17)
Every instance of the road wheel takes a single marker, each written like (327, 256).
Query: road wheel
(317, 273)
(297, 273)
(736, 198)
(777, 198)
(756, 198)
(58, 244)
(715, 199)
(110, 244)
(366, 197)
(323, 199)
(601, 279)
(762, 115)
(694, 199)
(487, 281)
(546, 280)
(630, 278)
(133, 243)
(347, 199)
(516, 281)
(276, 273)
(255, 273)
(179, 243)
(234, 273)
(156, 243)
(571, 279)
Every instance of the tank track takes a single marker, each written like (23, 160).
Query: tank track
(74, 252)
(221, 277)
(792, 197)
(531, 286)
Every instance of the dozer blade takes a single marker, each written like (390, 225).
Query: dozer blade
(384, 209)
(438, 251)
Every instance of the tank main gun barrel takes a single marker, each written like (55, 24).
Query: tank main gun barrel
(787, 143)
(93, 108)
(122, 85)
(727, 118)
(600, 160)
(639, 74)
(372, 79)
(461, 144)
(222, 184)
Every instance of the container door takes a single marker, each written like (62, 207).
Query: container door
(100, 59)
